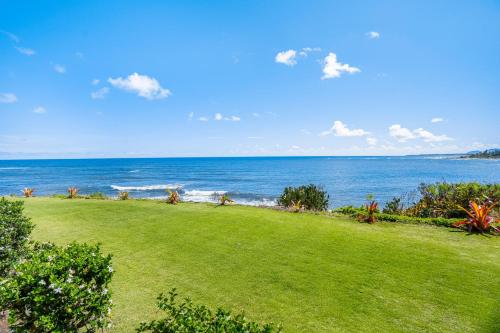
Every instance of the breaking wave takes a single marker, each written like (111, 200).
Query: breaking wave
(147, 187)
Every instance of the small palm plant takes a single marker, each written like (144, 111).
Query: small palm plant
(123, 195)
(72, 192)
(28, 192)
(371, 209)
(173, 197)
(296, 206)
(479, 218)
(225, 199)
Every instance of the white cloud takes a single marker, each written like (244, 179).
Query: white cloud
(286, 57)
(371, 141)
(25, 51)
(218, 116)
(60, 68)
(256, 115)
(100, 94)
(340, 129)
(203, 119)
(8, 98)
(11, 36)
(143, 85)
(233, 118)
(95, 82)
(39, 110)
(429, 137)
(333, 69)
(306, 50)
(436, 120)
(191, 115)
(403, 134)
(373, 34)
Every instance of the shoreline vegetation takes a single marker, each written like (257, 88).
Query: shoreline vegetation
(312, 254)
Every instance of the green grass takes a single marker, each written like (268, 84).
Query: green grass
(310, 272)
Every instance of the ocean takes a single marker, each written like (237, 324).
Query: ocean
(248, 180)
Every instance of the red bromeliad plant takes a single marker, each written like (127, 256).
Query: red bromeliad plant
(371, 209)
(478, 218)
(28, 192)
(72, 192)
(173, 197)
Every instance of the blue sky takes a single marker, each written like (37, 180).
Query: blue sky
(246, 78)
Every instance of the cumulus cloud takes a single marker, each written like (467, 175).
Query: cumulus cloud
(143, 85)
(373, 34)
(8, 98)
(218, 116)
(371, 141)
(39, 110)
(306, 50)
(340, 129)
(100, 94)
(403, 134)
(286, 57)
(429, 137)
(436, 120)
(60, 68)
(333, 68)
(233, 118)
(25, 51)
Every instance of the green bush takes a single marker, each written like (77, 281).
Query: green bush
(59, 289)
(15, 229)
(443, 199)
(311, 197)
(186, 317)
(97, 195)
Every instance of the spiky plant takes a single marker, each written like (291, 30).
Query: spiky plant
(371, 209)
(123, 195)
(296, 206)
(28, 192)
(225, 199)
(72, 192)
(479, 218)
(173, 197)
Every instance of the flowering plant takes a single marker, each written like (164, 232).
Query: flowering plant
(59, 289)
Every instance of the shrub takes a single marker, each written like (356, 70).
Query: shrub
(173, 197)
(478, 218)
(369, 214)
(123, 195)
(28, 192)
(311, 196)
(348, 210)
(394, 206)
(225, 199)
(189, 317)
(59, 289)
(97, 195)
(15, 229)
(445, 199)
(72, 192)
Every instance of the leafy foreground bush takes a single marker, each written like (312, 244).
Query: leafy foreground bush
(311, 197)
(187, 317)
(479, 219)
(59, 289)
(444, 199)
(15, 229)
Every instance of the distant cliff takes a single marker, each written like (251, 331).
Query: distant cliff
(488, 153)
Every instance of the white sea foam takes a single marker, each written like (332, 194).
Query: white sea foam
(146, 187)
(134, 171)
(200, 195)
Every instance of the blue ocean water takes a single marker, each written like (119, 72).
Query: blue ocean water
(249, 180)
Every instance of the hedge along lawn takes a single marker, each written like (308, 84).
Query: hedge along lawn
(312, 273)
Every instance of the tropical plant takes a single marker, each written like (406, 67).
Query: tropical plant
(72, 192)
(189, 317)
(15, 229)
(59, 289)
(479, 218)
(124, 195)
(296, 206)
(369, 215)
(224, 199)
(28, 192)
(312, 197)
(173, 197)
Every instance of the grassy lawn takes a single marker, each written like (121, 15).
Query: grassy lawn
(312, 273)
